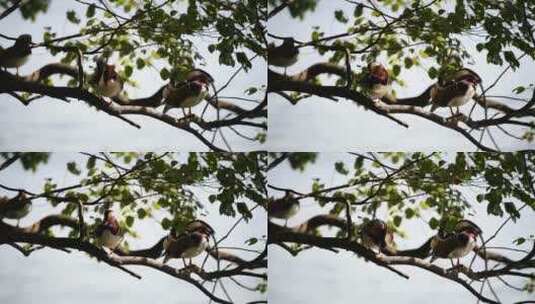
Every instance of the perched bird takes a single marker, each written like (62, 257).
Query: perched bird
(188, 244)
(284, 55)
(283, 208)
(106, 80)
(456, 244)
(377, 81)
(375, 234)
(15, 208)
(18, 54)
(189, 92)
(455, 91)
(109, 232)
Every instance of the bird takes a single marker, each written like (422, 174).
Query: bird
(376, 234)
(455, 91)
(189, 92)
(284, 55)
(284, 208)
(188, 244)
(106, 80)
(16, 208)
(109, 234)
(18, 54)
(377, 82)
(456, 244)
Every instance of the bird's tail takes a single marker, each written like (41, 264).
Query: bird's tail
(421, 252)
(166, 108)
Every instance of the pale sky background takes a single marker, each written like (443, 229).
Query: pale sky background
(50, 124)
(318, 276)
(319, 124)
(52, 276)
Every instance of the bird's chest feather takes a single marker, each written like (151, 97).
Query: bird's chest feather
(18, 213)
(378, 91)
(195, 99)
(285, 212)
(283, 61)
(110, 240)
(14, 62)
(110, 88)
(195, 250)
(463, 250)
(460, 100)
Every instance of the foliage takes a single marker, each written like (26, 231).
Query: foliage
(168, 188)
(436, 36)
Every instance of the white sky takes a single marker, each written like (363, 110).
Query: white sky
(51, 276)
(321, 276)
(319, 124)
(75, 126)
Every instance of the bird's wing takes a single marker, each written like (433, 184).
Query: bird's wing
(278, 206)
(178, 95)
(443, 95)
(443, 247)
(177, 246)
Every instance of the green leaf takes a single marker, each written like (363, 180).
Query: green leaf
(519, 241)
(128, 70)
(166, 223)
(140, 63)
(244, 211)
(90, 11)
(129, 221)
(91, 162)
(340, 168)
(141, 213)
(434, 223)
(358, 10)
(397, 220)
(432, 72)
(251, 241)
(71, 16)
(164, 73)
(72, 168)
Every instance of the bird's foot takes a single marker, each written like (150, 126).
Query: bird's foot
(106, 102)
(187, 118)
(455, 119)
(454, 270)
(188, 269)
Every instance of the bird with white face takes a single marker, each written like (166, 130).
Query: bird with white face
(18, 54)
(109, 233)
(377, 82)
(457, 244)
(106, 80)
(188, 244)
(455, 91)
(189, 92)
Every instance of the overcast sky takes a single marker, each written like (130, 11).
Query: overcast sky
(49, 124)
(51, 276)
(318, 276)
(319, 124)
